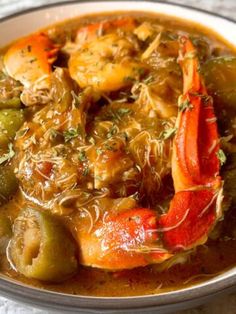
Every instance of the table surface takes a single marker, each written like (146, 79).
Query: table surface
(221, 305)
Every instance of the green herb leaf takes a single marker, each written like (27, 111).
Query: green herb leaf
(91, 140)
(205, 98)
(117, 115)
(82, 156)
(123, 111)
(70, 134)
(148, 79)
(76, 99)
(167, 133)
(112, 131)
(54, 134)
(221, 156)
(186, 104)
(99, 151)
(86, 171)
(111, 147)
(141, 71)
(8, 155)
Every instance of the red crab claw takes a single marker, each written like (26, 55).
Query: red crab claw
(29, 60)
(195, 207)
(123, 241)
(196, 143)
(191, 216)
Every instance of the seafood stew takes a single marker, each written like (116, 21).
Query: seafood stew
(117, 156)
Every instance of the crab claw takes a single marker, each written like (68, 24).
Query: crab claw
(196, 143)
(196, 206)
(122, 241)
(191, 216)
(29, 60)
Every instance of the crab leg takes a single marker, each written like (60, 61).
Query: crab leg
(196, 143)
(122, 241)
(195, 207)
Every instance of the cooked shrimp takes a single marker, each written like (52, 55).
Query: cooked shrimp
(106, 64)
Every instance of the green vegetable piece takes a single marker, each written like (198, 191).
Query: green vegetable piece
(8, 183)
(5, 232)
(41, 248)
(220, 77)
(12, 103)
(10, 121)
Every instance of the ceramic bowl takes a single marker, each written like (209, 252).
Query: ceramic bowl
(26, 22)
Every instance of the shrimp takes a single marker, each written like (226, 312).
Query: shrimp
(105, 63)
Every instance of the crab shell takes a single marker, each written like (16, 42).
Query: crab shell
(29, 60)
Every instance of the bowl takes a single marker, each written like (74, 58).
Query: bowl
(28, 21)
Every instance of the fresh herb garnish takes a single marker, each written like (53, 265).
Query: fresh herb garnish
(71, 134)
(112, 131)
(111, 147)
(54, 134)
(205, 98)
(86, 171)
(82, 156)
(186, 104)
(123, 111)
(91, 140)
(117, 115)
(168, 133)
(141, 71)
(148, 79)
(221, 156)
(8, 155)
(76, 99)
(99, 151)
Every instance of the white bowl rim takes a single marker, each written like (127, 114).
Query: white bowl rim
(46, 298)
(69, 2)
